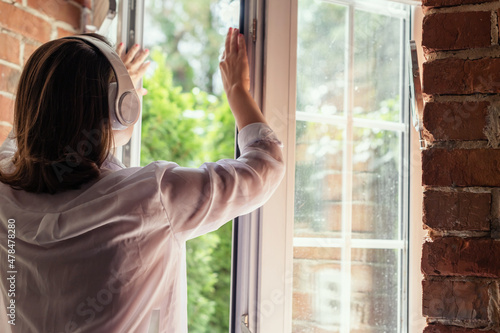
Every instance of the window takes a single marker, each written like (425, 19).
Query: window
(329, 251)
(333, 241)
(185, 119)
(350, 191)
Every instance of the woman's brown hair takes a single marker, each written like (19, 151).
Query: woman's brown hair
(61, 118)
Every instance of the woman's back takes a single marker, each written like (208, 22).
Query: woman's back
(110, 257)
(90, 246)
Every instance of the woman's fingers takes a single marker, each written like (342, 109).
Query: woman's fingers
(134, 60)
(242, 48)
(138, 60)
(141, 91)
(119, 49)
(228, 41)
(234, 41)
(231, 43)
(130, 54)
(142, 69)
(142, 56)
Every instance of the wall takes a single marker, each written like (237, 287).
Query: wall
(25, 25)
(461, 168)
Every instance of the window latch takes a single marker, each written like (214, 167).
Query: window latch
(253, 30)
(244, 324)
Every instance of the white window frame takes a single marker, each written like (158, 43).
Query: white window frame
(130, 16)
(263, 257)
(270, 282)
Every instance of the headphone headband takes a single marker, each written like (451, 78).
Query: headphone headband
(127, 102)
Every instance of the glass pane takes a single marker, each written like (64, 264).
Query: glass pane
(186, 119)
(376, 182)
(377, 66)
(318, 180)
(347, 175)
(374, 290)
(321, 57)
(316, 290)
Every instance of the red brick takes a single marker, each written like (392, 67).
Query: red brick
(455, 300)
(302, 306)
(362, 277)
(60, 10)
(317, 253)
(457, 210)
(6, 109)
(364, 219)
(461, 167)
(445, 3)
(453, 329)
(64, 33)
(455, 256)
(455, 120)
(24, 23)
(333, 190)
(28, 51)
(10, 50)
(456, 31)
(9, 78)
(460, 76)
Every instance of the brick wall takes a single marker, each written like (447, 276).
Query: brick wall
(25, 25)
(461, 168)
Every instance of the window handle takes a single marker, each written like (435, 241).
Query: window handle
(244, 324)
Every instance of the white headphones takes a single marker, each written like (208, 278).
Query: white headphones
(124, 103)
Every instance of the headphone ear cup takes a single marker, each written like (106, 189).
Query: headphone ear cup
(112, 91)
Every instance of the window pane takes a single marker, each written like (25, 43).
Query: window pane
(349, 209)
(377, 66)
(374, 290)
(316, 289)
(321, 66)
(376, 182)
(318, 180)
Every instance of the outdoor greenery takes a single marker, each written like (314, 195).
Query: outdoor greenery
(187, 120)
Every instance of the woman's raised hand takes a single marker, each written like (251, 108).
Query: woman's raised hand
(236, 80)
(135, 62)
(234, 63)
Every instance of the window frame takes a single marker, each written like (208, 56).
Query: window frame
(262, 272)
(130, 32)
(274, 273)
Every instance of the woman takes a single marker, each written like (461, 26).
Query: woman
(87, 245)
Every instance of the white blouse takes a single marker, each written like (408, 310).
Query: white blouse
(111, 256)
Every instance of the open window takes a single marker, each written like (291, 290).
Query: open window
(186, 119)
(330, 251)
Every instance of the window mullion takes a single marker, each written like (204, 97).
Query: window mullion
(347, 178)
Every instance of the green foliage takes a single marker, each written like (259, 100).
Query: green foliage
(193, 39)
(167, 134)
(190, 128)
(186, 122)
